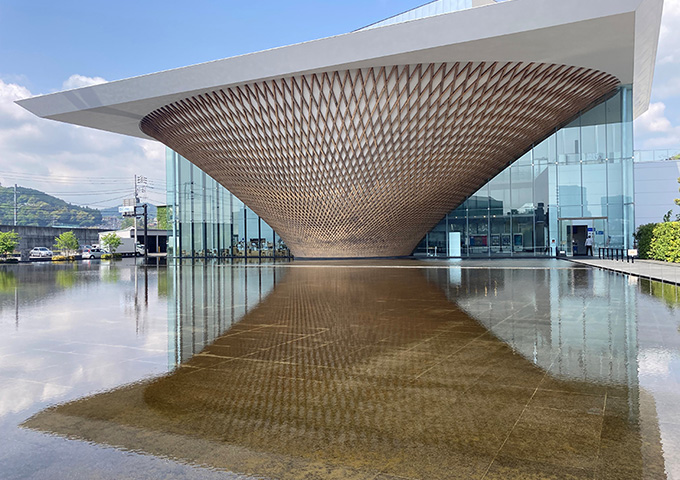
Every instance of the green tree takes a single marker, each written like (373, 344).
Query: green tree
(111, 241)
(8, 242)
(67, 243)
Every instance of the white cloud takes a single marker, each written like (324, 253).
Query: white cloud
(655, 130)
(78, 81)
(669, 37)
(39, 153)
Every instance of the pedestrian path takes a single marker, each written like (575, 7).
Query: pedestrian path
(652, 269)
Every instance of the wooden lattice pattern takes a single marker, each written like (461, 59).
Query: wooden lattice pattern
(362, 163)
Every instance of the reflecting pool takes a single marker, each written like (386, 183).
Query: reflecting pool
(350, 369)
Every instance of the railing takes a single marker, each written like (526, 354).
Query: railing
(657, 155)
(617, 254)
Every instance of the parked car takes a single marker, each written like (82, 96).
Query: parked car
(90, 253)
(40, 252)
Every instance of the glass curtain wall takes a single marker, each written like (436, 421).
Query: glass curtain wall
(576, 183)
(206, 221)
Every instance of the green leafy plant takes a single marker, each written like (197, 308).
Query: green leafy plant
(8, 242)
(643, 237)
(111, 241)
(665, 244)
(67, 243)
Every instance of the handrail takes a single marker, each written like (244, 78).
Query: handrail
(608, 253)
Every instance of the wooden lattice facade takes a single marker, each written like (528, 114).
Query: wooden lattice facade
(362, 163)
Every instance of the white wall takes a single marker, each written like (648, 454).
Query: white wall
(656, 188)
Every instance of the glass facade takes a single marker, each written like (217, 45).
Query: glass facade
(575, 183)
(206, 221)
(430, 9)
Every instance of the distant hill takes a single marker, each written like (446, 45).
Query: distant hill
(40, 209)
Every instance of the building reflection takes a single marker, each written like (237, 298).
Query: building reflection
(343, 371)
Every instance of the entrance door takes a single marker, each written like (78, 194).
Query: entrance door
(579, 234)
(574, 231)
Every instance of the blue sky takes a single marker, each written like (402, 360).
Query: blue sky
(46, 46)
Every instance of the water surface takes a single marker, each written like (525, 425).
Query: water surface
(376, 370)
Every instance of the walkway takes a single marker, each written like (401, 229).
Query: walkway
(652, 269)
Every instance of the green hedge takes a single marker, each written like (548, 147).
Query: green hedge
(659, 241)
(666, 242)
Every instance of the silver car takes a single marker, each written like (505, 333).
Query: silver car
(90, 253)
(40, 252)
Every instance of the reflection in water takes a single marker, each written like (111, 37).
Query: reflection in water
(8, 281)
(345, 372)
(667, 292)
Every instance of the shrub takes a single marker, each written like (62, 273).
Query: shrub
(110, 256)
(643, 237)
(63, 258)
(8, 242)
(665, 244)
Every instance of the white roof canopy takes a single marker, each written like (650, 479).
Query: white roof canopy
(615, 36)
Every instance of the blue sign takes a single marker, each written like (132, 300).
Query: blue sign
(591, 229)
(600, 232)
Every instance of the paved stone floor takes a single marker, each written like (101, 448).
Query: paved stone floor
(651, 269)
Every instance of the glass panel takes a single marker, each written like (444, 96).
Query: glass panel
(594, 134)
(186, 200)
(253, 240)
(523, 235)
(615, 181)
(478, 239)
(594, 188)
(525, 159)
(478, 204)
(570, 212)
(499, 193)
(281, 248)
(210, 205)
(460, 225)
(569, 143)
(545, 152)
(238, 240)
(436, 241)
(522, 193)
(198, 188)
(614, 127)
(627, 116)
(460, 212)
(267, 235)
(569, 189)
(615, 236)
(500, 239)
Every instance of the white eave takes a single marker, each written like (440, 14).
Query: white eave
(615, 36)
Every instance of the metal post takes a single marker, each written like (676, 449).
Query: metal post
(259, 237)
(135, 216)
(146, 250)
(15, 204)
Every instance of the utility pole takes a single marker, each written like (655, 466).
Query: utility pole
(146, 250)
(140, 186)
(135, 216)
(15, 205)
